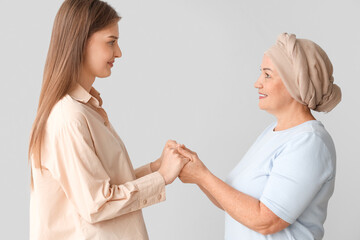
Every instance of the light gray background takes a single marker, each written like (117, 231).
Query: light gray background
(187, 73)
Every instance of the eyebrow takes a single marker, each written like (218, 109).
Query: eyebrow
(114, 37)
(266, 69)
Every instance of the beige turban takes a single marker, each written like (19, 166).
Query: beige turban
(306, 72)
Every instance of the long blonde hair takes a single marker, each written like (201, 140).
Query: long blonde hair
(74, 23)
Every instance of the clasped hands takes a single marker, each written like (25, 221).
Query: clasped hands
(178, 161)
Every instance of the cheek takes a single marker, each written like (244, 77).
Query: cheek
(98, 54)
(96, 59)
(279, 95)
(285, 95)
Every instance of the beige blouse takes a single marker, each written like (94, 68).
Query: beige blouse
(87, 188)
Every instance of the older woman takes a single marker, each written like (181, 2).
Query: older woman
(281, 187)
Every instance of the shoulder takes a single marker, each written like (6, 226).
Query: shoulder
(312, 149)
(66, 112)
(312, 135)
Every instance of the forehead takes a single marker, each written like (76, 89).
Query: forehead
(266, 62)
(111, 30)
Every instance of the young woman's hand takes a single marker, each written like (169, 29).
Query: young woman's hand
(156, 164)
(172, 163)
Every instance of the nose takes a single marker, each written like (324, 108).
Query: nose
(117, 53)
(258, 84)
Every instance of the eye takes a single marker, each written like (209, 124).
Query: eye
(267, 75)
(112, 42)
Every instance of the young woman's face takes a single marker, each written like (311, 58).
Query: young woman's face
(274, 97)
(101, 50)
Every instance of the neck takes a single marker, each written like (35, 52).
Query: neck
(293, 117)
(86, 80)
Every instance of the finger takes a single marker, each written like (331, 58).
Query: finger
(183, 146)
(185, 153)
(171, 143)
(184, 161)
(176, 152)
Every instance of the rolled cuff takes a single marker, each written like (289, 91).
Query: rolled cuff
(151, 189)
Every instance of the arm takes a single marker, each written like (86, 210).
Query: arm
(86, 184)
(212, 199)
(243, 208)
(143, 171)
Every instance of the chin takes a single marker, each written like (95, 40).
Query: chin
(104, 74)
(262, 107)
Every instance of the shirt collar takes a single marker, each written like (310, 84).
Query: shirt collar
(78, 93)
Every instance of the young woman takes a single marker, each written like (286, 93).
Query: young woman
(83, 183)
(281, 187)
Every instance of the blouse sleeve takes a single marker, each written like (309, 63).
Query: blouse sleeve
(297, 175)
(86, 183)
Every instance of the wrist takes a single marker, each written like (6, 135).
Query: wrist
(203, 178)
(155, 165)
(163, 176)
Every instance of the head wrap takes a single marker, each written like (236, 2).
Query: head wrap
(306, 72)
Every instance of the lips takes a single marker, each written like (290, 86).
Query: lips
(262, 96)
(111, 63)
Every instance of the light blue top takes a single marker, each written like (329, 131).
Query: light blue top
(292, 172)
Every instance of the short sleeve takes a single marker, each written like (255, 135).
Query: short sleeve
(297, 175)
(86, 184)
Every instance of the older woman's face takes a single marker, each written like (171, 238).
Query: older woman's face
(273, 95)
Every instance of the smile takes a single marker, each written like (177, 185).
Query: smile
(262, 96)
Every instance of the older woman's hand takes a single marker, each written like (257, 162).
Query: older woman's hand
(194, 170)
